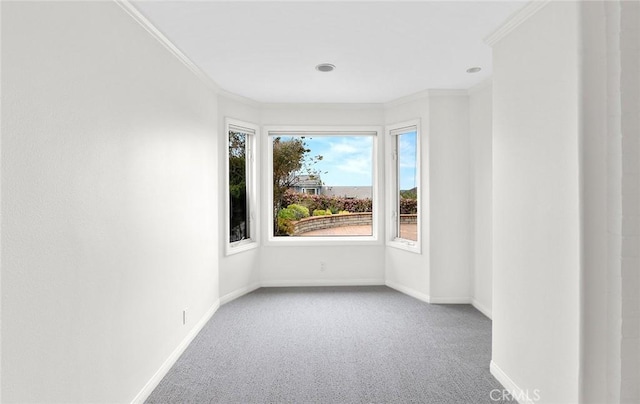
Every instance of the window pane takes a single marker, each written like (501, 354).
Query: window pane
(238, 200)
(407, 185)
(322, 185)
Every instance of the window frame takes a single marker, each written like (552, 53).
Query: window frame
(393, 238)
(267, 164)
(251, 163)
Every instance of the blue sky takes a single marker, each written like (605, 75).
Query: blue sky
(347, 160)
(407, 160)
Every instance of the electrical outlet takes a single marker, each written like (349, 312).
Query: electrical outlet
(323, 266)
(184, 316)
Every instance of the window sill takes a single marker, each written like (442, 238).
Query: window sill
(322, 241)
(240, 246)
(406, 245)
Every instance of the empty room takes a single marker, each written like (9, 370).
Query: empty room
(320, 201)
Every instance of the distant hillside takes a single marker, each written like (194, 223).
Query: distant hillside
(409, 193)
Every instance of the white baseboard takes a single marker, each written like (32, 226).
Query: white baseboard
(171, 360)
(239, 292)
(521, 396)
(450, 300)
(481, 308)
(408, 291)
(322, 282)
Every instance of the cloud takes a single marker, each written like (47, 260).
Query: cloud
(343, 148)
(358, 165)
(347, 160)
(407, 150)
(407, 164)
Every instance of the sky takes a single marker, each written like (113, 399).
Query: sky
(347, 160)
(407, 160)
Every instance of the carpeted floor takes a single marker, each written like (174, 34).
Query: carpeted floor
(366, 344)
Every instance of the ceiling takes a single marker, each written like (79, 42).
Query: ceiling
(267, 51)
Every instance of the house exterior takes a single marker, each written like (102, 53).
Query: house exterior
(307, 184)
(347, 192)
(312, 185)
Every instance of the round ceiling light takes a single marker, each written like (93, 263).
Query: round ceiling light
(325, 67)
(474, 69)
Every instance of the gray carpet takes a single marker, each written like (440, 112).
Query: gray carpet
(366, 344)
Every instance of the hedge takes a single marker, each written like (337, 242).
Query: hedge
(408, 206)
(336, 204)
(324, 202)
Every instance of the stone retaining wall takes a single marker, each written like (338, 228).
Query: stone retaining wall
(352, 219)
(409, 219)
(327, 222)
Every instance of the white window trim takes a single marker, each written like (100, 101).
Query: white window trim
(267, 164)
(252, 186)
(392, 237)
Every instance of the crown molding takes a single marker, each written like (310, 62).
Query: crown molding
(515, 20)
(320, 105)
(239, 98)
(448, 93)
(164, 41)
(178, 54)
(407, 98)
(425, 94)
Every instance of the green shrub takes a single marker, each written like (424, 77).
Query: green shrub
(286, 213)
(320, 212)
(343, 212)
(285, 226)
(328, 212)
(299, 210)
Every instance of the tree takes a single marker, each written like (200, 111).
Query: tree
(237, 186)
(291, 157)
(409, 193)
(237, 163)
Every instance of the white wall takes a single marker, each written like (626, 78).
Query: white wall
(1, 215)
(610, 367)
(345, 264)
(404, 270)
(614, 210)
(239, 273)
(630, 206)
(443, 272)
(536, 206)
(610, 163)
(109, 210)
(480, 117)
(594, 208)
(450, 199)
